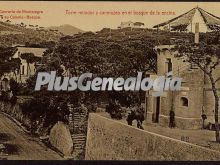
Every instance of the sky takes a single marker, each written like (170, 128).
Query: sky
(54, 12)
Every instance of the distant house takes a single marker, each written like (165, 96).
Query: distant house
(25, 70)
(138, 24)
(131, 25)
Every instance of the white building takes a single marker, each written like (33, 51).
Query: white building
(26, 70)
(131, 25)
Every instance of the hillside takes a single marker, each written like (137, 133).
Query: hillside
(19, 34)
(66, 29)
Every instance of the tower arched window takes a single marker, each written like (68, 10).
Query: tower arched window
(184, 101)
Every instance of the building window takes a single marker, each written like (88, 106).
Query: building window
(168, 65)
(184, 101)
(22, 70)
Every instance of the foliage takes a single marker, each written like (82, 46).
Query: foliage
(7, 63)
(107, 58)
(46, 108)
(14, 86)
(206, 56)
(114, 109)
(30, 57)
(88, 53)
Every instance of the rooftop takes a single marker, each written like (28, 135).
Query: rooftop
(36, 51)
(185, 22)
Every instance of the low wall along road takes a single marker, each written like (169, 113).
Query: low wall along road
(109, 139)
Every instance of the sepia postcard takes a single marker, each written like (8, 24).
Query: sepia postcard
(95, 80)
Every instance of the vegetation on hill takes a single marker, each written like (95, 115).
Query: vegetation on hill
(66, 29)
(11, 34)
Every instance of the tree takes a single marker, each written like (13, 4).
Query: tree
(30, 58)
(14, 86)
(107, 58)
(22, 24)
(207, 58)
(89, 53)
(46, 106)
(7, 63)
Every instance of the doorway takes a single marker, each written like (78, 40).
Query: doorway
(157, 114)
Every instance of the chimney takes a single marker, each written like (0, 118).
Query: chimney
(197, 33)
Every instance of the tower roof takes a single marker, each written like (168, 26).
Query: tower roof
(184, 22)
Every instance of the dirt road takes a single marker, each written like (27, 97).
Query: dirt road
(20, 145)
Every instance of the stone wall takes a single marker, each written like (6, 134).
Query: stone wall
(15, 111)
(108, 139)
(182, 123)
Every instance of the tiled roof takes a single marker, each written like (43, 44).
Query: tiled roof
(36, 51)
(182, 21)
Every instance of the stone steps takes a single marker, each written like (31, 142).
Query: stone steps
(76, 142)
(78, 135)
(79, 143)
(79, 139)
